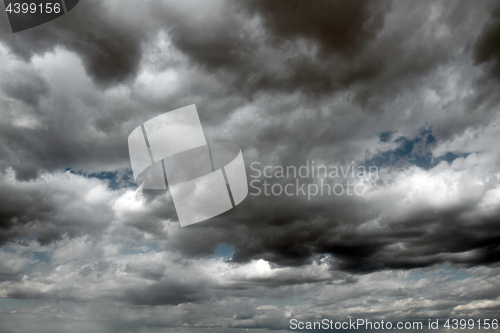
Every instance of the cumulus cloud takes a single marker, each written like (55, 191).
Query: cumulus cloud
(53, 206)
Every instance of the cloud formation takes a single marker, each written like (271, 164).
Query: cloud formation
(409, 88)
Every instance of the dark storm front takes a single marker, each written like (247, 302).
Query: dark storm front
(26, 15)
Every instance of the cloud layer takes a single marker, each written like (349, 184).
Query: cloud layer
(409, 88)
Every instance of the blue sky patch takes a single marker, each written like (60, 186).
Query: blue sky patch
(411, 151)
(223, 251)
(116, 179)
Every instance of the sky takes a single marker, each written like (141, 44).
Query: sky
(408, 88)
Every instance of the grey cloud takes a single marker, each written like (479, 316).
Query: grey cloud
(26, 86)
(49, 212)
(223, 43)
(487, 47)
(422, 236)
(62, 137)
(110, 51)
(227, 43)
(285, 87)
(169, 293)
(12, 267)
(276, 235)
(339, 26)
(237, 60)
(385, 295)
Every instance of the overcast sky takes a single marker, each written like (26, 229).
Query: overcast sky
(411, 88)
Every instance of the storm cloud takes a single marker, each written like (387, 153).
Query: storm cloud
(407, 88)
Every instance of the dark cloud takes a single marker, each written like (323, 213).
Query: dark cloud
(110, 50)
(48, 212)
(335, 82)
(358, 52)
(221, 44)
(224, 41)
(289, 239)
(170, 293)
(338, 26)
(52, 149)
(487, 46)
